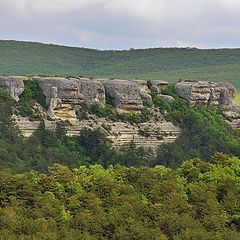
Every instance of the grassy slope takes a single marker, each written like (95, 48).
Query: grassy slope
(237, 99)
(168, 64)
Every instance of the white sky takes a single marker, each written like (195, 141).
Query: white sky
(123, 24)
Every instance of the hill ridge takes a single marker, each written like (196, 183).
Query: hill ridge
(171, 64)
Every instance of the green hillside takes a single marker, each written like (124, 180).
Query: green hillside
(169, 64)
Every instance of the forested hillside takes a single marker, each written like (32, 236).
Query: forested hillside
(197, 201)
(204, 133)
(169, 64)
(55, 186)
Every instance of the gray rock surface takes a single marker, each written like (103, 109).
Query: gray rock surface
(166, 97)
(125, 95)
(203, 93)
(149, 134)
(13, 85)
(157, 85)
(142, 85)
(62, 95)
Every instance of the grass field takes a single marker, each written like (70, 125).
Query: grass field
(237, 99)
(170, 64)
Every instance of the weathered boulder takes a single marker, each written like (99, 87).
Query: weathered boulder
(144, 91)
(166, 97)
(92, 90)
(201, 93)
(145, 97)
(125, 95)
(227, 95)
(157, 85)
(142, 85)
(62, 95)
(13, 85)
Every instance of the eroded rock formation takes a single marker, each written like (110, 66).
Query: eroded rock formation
(149, 134)
(125, 95)
(13, 85)
(65, 96)
(219, 95)
(201, 93)
(157, 85)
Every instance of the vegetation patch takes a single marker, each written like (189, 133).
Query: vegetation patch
(132, 118)
(108, 111)
(237, 99)
(204, 132)
(198, 200)
(32, 94)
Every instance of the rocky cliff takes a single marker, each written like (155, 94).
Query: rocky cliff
(65, 96)
(217, 95)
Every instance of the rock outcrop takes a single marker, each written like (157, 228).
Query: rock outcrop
(125, 95)
(201, 93)
(166, 97)
(157, 85)
(63, 95)
(219, 95)
(13, 85)
(149, 134)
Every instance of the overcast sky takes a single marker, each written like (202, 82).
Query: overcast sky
(123, 24)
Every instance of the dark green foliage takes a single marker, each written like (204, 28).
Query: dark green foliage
(135, 117)
(96, 146)
(32, 94)
(204, 132)
(7, 130)
(170, 64)
(6, 105)
(97, 109)
(109, 112)
(197, 201)
(46, 147)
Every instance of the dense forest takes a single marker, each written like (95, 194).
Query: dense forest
(58, 187)
(198, 201)
(169, 64)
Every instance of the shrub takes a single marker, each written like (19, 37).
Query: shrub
(32, 93)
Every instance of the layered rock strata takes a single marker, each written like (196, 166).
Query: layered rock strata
(149, 134)
(218, 95)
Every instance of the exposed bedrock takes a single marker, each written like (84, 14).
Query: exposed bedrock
(201, 93)
(124, 95)
(219, 95)
(13, 85)
(149, 134)
(63, 95)
(157, 85)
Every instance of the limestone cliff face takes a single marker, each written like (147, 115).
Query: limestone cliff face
(149, 134)
(200, 93)
(125, 95)
(64, 97)
(219, 95)
(13, 85)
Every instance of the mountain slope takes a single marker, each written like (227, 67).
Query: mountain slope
(169, 64)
